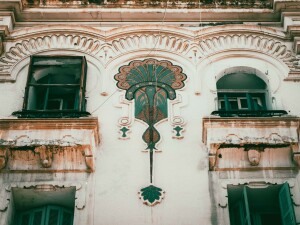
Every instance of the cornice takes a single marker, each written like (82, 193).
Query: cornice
(256, 121)
(49, 124)
(119, 14)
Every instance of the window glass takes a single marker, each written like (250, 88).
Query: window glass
(46, 215)
(25, 218)
(260, 206)
(56, 83)
(241, 91)
(37, 217)
(53, 217)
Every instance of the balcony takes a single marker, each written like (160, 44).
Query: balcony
(252, 143)
(48, 145)
(249, 113)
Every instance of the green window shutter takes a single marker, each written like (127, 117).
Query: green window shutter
(24, 218)
(38, 216)
(227, 104)
(32, 217)
(249, 101)
(286, 206)
(244, 208)
(67, 217)
(52, 215)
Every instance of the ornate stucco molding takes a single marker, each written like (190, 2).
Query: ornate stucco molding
(193, 46)
(51, 145)
(252, 43)
(241, 143)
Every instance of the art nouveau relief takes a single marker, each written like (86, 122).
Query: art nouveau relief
(150, 84)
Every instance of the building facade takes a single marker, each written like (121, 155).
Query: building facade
(147, 112)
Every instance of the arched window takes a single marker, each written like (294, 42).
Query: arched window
(240, 91)
(243, 94)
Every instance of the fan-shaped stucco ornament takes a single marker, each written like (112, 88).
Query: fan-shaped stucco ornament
(150, 83)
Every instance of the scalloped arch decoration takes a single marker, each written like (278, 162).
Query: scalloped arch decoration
(31, 46)
(164, 42)
(246, 42)
(96, 48)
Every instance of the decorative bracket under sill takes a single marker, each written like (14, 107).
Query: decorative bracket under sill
(3, 157)
(46, 154)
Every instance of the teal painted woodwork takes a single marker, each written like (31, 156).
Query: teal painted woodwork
(286, 206)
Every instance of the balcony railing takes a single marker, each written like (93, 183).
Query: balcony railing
(50, 114)
(249, 113)
(150, 3)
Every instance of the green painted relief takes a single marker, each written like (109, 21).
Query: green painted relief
(150, 83)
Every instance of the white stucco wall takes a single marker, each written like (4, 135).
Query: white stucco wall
(192, 193)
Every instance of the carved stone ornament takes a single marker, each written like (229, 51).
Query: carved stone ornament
(46, 154)
(253, 157)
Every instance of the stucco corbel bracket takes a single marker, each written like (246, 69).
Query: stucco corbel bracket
(213, 156)
(295, 153)
(3, 157)
(89, 157)
(4, 198)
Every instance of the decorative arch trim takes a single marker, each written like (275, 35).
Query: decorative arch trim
(162, 39)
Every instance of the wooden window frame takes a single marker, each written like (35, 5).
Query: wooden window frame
(241, 209)
(45, 214)
(79, 106)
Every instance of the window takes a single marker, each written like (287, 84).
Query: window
(47, 215)
(260, 206)
(43, 205)
(55, 86)
(241, 91)
(243, 94)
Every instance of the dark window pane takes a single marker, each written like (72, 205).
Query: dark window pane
(53, 70)
(222, 104)
(233, 105)
(58, 76)
(53, 98)
(25, 219)
(244, 103)
(53, 217)
(37, 219)
(270, 219)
